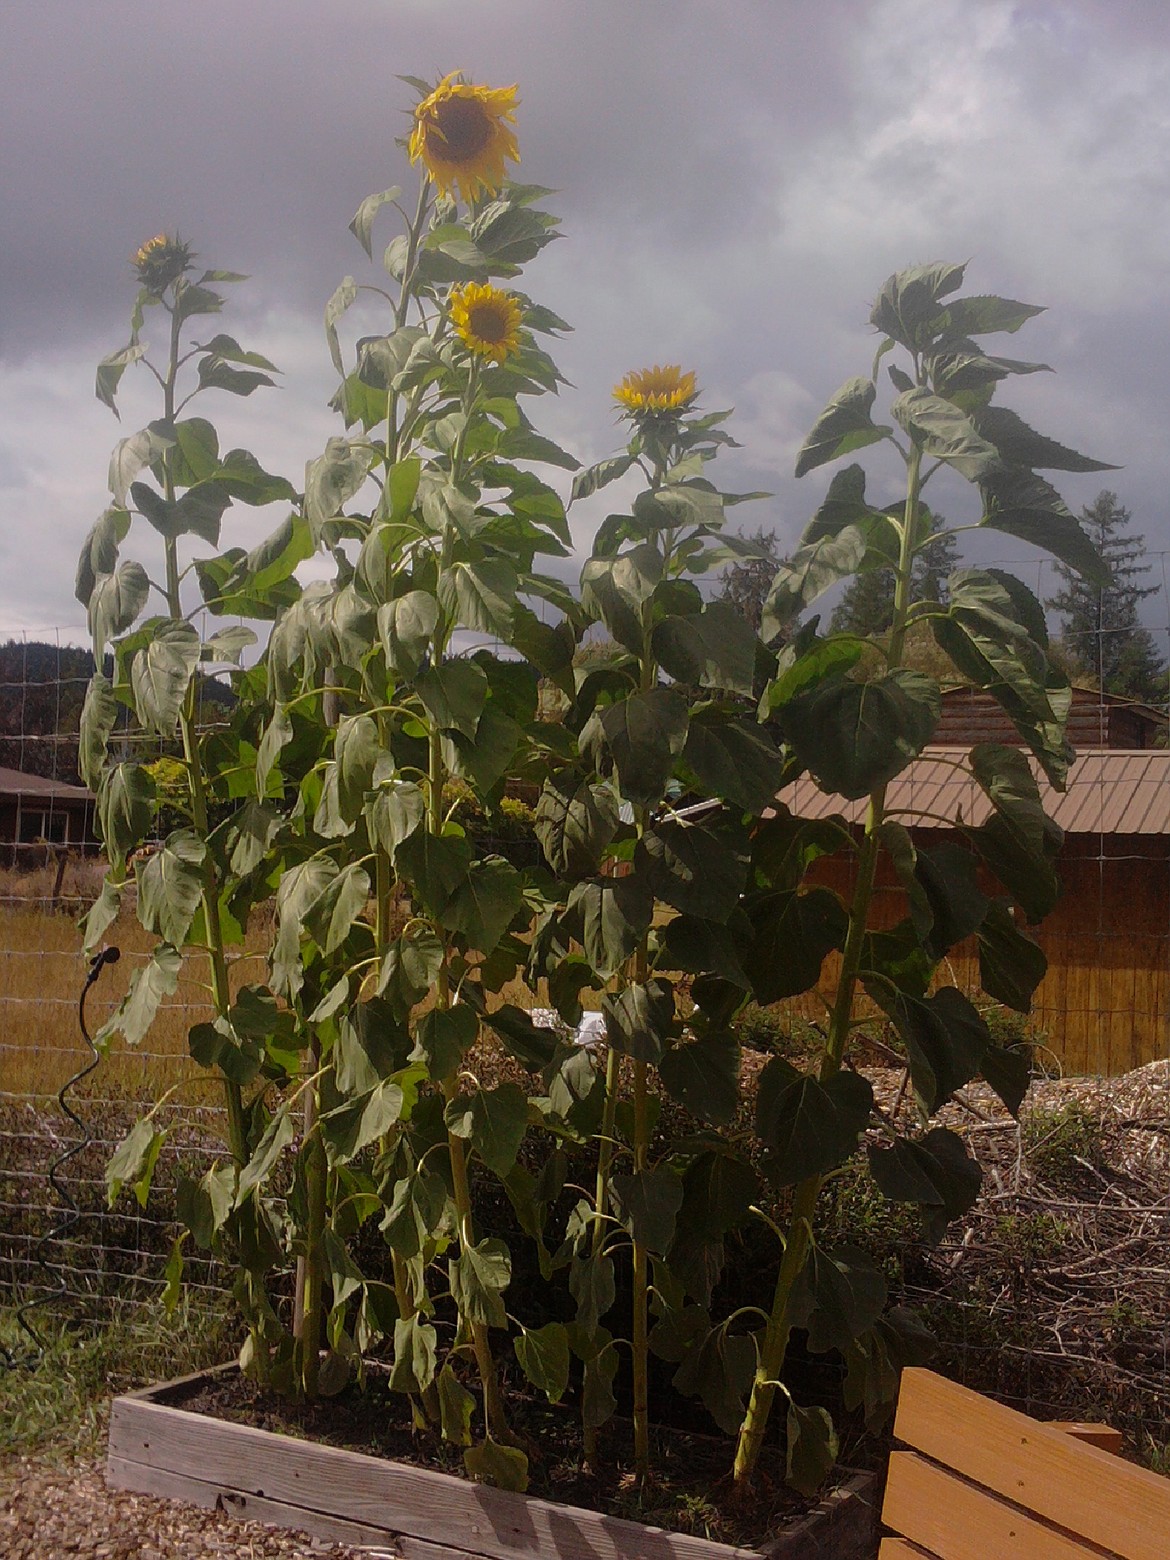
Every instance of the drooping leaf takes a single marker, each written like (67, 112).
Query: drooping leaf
(643, 736)
(454, 695)
(479, 1277)
(647, 1203)
(908, 307)
(574, 824)
(792, 935)
(944, 1035)
(132, 1162)
(1023, 505)
(703, 1076)
(414, 1355)
(720, 1371)
(733, 758)
(161, 673)
(505, 1467)
(543, 1353)
(115, 602)
(481, 595)
(934, 1171)
(697, 867)
(494, 1121)
(443, 1036)
(483, 905)
(125, 810)
(942, 432)
(809, 1127)
(845, 425)
(456, 1406)
(608, 916)
(839, 1295)
(715, 648)
(1011, 964)
(170, 885)
(811, 1447)
(639, 1018)
(99, 715)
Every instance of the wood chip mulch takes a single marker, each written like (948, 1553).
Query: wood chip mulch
(48, 1512)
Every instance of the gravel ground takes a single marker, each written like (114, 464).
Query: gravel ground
(48, 1511)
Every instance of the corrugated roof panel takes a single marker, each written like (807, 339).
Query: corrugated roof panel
(1112, 791)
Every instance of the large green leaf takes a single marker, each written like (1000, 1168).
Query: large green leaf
(944, 1036)
(718, 1192)
(644, 735)
(125, 810)
(715, 648)
(132, 1162)
(1024, 505)
(543, 1353)
(591, 478)
(479, 1277)
(352, 1126)
(943, 432)
(1006, 776)
(616, 591)
(792, 934)
(935, 1172)
(647, 1203)
(491, 1462)
(435, 865)
(845, 425)
(733, 758)
(839, 1295)
(115, 602)
(414, 1355)
(1029, 876)
(333, 478)
(699, 868)
(170, 885)
(480, 595)
(948, 875)
(99, 715)
(494, 1121)
(443, 1036)
(1019, 445)
(356, 749)
(333, 912)
(703, 1076)
(394, 812)
(699, 947)
(608, 916)
(813, 568)
(405, 626)
(364, 217)
(484, 903)
(99, 551)
(811, 1447)
(161, 673)
(983, 315)
(131, 455)
(410, 967)
(639, 1018)
(574, 824)
(907, 308)
(454, 695)
(855, 737)
(1011, 964)
(719, 1370)
(809, 1127)
(150, 984)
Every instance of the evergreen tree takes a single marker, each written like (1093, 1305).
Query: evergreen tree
(867, 607)
(1104, 639)
(746, 584)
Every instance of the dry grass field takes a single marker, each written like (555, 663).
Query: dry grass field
(42, 969)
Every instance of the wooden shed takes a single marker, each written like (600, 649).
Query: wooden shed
(35, 813)
(1104, 1006)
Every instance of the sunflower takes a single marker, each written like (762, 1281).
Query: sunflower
(161, 261)
(647, 392)
(461, 135)
(486, 320)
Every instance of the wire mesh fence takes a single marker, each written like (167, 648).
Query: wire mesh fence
(1052, 1293)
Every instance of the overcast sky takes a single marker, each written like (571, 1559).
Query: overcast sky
(736, 179)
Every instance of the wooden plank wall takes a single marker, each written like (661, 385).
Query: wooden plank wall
(1104, 1006)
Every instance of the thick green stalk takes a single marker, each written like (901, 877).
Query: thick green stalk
(196, 785)
(613, 1068)
(316, 1186)
(774, 1346)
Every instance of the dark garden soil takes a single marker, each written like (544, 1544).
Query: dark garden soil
(691, 1492)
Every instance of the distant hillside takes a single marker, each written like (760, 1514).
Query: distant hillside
(42, 690)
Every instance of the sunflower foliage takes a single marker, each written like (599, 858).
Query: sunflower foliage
(156, 643)
(404, 691)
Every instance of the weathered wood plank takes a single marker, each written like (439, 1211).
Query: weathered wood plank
(899, 1549)
(385, 1495)
(147, 1480)
(956, 1521)
(1122, 1508)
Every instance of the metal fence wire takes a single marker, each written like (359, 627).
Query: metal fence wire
(1051, 1293)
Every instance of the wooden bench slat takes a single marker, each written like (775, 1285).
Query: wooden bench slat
(1103, 1436)
(1123, 1509)
(899, 1549)
(956, 1521)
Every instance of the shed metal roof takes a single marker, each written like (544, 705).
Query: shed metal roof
(15, 782)
(1110, 791)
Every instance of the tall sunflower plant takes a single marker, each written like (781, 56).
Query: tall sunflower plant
(400, 687)
(158, 654)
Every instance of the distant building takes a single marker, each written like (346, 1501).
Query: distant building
(35, 812)
(1104, 1006)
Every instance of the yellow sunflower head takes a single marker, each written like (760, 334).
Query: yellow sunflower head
(462, 135)
(486, 319)
(161, 261)
(649, 392)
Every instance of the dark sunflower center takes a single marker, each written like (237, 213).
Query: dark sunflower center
(488, 321)
(465, 128)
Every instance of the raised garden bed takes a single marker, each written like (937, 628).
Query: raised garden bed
(159, 1445)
